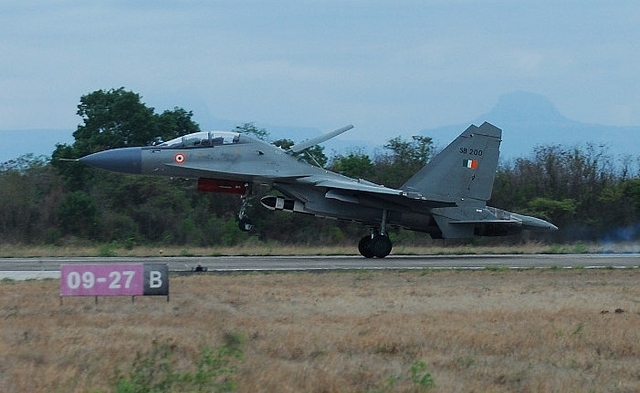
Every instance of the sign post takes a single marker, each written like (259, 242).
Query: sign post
(114, 280)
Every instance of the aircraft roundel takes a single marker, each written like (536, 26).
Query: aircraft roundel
(179, 158)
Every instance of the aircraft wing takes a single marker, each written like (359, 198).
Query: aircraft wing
(370, 194)
(348, 184)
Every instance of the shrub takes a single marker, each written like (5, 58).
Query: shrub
(155, 371)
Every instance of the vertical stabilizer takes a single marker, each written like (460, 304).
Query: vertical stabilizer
(465, 169)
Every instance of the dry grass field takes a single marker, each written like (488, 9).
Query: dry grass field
(550, 330)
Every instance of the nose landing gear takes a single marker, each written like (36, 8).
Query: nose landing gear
(244, 222)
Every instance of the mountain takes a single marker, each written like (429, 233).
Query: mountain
(529, 120)
(526, 119)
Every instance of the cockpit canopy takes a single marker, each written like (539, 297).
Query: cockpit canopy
(202, 139)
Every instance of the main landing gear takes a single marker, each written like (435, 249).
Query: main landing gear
(377, 244)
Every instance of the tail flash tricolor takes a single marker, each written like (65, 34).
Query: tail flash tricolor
(472, 164)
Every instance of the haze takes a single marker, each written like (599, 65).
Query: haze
(390, 68)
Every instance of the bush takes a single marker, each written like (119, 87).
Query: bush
(155, 371)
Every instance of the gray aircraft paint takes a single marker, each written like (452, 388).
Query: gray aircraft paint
(447, 198)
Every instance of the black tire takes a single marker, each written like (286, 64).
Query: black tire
(364, 246)
(380, 246)
(245, 224)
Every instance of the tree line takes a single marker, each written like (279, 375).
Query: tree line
(589, 194)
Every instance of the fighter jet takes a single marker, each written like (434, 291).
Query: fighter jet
(446, 198)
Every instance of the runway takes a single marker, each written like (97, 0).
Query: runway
(37, 268)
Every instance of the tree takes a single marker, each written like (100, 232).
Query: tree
(355, 164)
(118, 118)
(79, 215)
(414, 153)
(549, 209)
(576, 188)
(30, 191)
(404, 159)
(115, 118)
(250, 128)
(314, 155)
(175, 123)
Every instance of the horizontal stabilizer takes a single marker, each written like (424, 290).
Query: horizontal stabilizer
(479, 222)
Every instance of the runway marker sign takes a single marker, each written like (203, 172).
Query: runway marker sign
(129, 279)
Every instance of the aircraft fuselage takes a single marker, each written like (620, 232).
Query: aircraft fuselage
(447, 198)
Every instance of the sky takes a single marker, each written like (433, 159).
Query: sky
(388, 67)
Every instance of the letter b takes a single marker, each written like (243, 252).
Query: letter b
(155, 279)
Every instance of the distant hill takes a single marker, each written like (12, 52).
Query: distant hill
(528, 120)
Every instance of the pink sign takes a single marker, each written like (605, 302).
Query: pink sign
(102, 280)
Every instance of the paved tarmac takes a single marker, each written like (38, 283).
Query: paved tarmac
(27, 268)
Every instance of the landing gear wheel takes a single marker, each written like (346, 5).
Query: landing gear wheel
(245, 224)
(377, 246)
(380, 246)
(364, 247)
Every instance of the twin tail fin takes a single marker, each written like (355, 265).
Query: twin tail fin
(464, 170)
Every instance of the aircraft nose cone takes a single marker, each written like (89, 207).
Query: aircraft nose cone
(124, 160)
